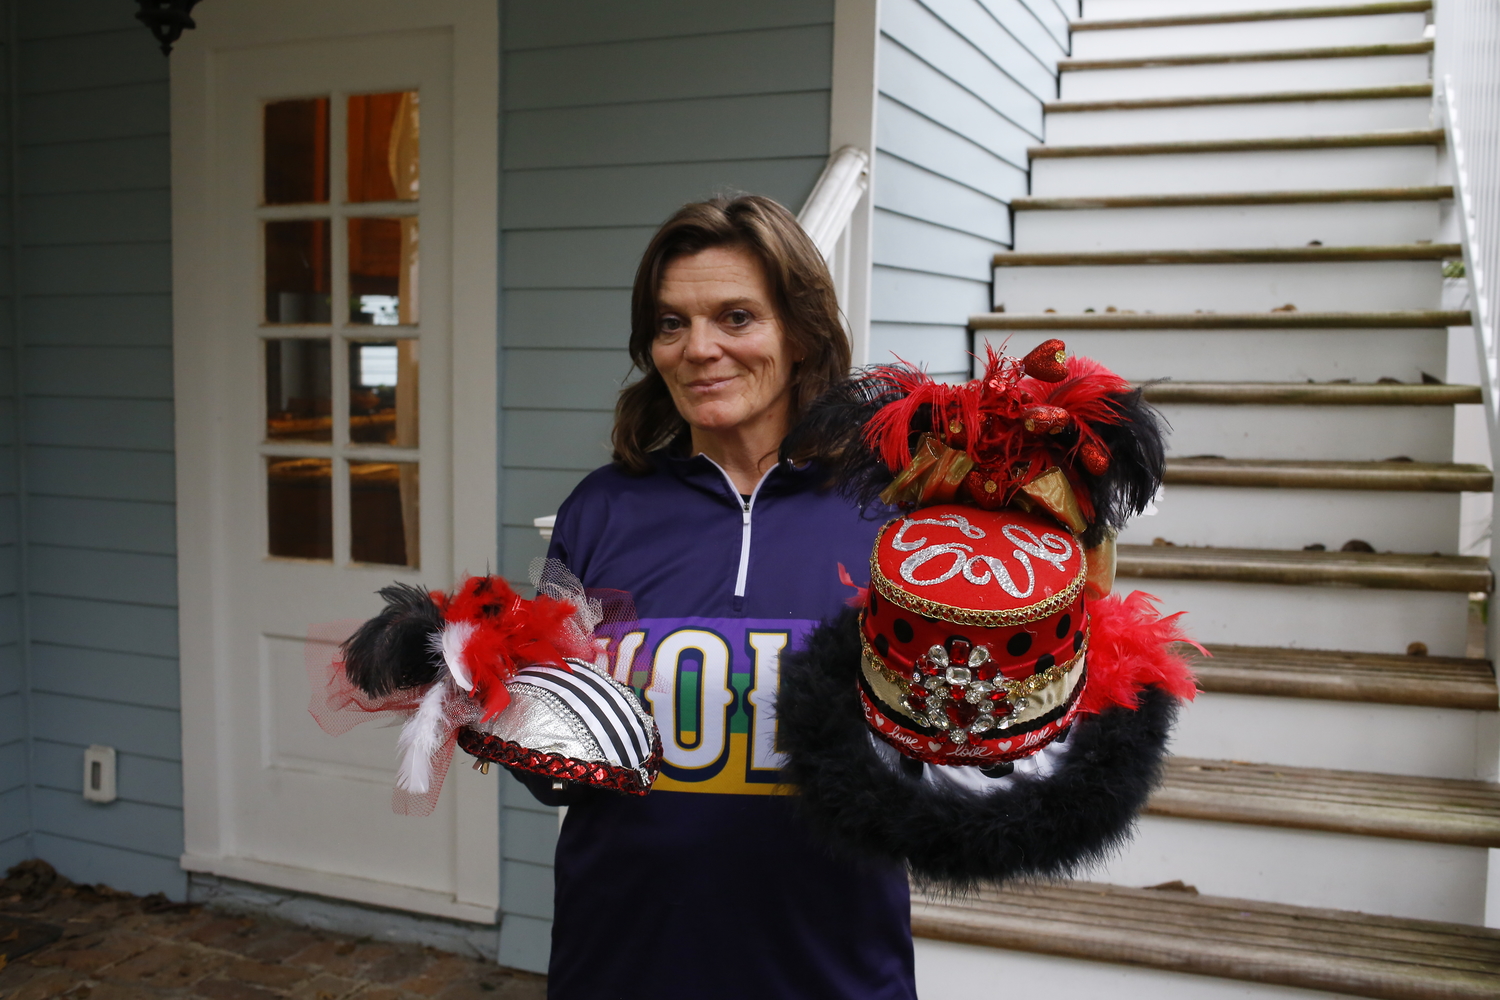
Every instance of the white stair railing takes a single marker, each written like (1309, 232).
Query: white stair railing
(826, 213)
(1468, 58)
(1468, 68)
(1479, 253)
(830, 217)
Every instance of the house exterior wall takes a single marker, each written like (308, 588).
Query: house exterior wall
(15, 802)
(614, 115)
(961, 89)
(93, 451)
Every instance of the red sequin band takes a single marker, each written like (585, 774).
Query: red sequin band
(597, 774)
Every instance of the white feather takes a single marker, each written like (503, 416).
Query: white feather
(449, 643)
(421, 737)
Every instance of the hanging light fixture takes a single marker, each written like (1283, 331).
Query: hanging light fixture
(167, 19)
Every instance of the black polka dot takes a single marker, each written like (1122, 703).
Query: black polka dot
(874, 604)
(903, 630)
(1077, 640)
(1044, 661)
(997, 770)
(1062, 737)
(882, 644)
(1018, 644)
(1063, 624)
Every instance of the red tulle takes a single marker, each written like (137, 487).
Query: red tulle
(1130, 647)
(338, 706)
(509, 633)
(986, 418)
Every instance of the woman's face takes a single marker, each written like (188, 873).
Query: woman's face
(719, 344)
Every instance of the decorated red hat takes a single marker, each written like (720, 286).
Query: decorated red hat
(1030, 704)
(974, 634)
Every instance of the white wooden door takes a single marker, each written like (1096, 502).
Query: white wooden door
(321, 376)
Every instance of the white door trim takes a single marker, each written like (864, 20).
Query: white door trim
(203, 565)
(358, 890)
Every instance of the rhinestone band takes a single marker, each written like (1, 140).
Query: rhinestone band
(928, 709)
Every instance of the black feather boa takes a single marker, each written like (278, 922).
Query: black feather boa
(1038, 827)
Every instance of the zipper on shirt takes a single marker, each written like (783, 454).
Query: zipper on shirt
(747, 507)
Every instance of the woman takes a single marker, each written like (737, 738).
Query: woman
(711, 886)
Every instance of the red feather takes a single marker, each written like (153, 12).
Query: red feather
(509, 632)
(1130, 647)
(990, 416)
(861, 596)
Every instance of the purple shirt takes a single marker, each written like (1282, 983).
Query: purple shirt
(712, 886)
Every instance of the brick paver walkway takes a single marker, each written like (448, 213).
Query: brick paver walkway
(115, 946)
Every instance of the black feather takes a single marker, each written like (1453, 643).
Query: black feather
(1047, 827)
(1137, 449)
(832, 430)
(393, 651)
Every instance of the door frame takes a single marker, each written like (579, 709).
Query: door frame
(203, 565)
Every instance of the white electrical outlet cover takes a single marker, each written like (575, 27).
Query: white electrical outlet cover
(99, 774)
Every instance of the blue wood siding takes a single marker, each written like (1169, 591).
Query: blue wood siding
(962, 84)
(92, 265)
(615, 115)
(15, 800)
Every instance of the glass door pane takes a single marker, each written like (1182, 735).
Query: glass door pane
(299, 495)
(383, 379)
(384, 512)
(384, 147)
(298, 271)
(295, 149)
(299, 390)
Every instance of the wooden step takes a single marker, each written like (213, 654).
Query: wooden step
(1414, 137)
(1251, 255)
(1437, 810)
(1438, 193)
(1421, 319)
(1409, 477)
(1374, 570)
(1312, 393)
(1395, 91)
(1426, 681)
(1331, 52)
(1354, 954)
(1234, 17)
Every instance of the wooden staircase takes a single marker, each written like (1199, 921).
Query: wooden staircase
(1241, 209)
(1333, 952)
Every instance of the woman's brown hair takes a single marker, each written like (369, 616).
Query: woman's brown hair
(802, 294)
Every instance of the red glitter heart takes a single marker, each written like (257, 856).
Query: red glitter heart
(1045, 419)
(986, 489)
(1047, 362)
(1095, 457)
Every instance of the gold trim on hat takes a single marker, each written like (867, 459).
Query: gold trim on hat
(1044, 608)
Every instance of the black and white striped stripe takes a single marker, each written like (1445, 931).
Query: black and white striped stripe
(605, 707)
